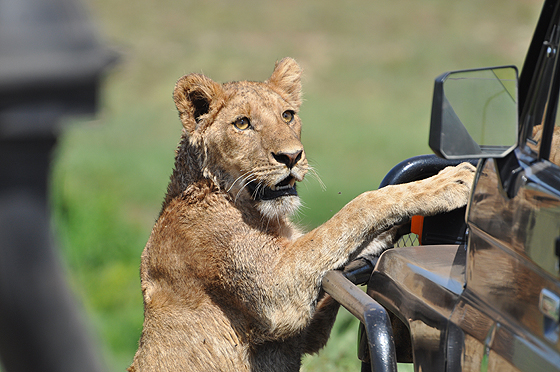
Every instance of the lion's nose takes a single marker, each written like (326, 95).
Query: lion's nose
(290, 159)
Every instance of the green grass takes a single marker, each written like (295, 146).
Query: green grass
(369, 68)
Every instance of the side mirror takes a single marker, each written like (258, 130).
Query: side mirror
(474, 113)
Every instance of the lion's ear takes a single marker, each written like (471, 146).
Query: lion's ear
(287, 77)
(195, 95)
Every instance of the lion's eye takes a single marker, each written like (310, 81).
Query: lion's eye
(288, 116)
(242, 123)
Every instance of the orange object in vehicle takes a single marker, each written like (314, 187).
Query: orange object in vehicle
(416, 226)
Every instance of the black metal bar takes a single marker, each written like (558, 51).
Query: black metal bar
(531, 60)
(419, 167)
(359, 271)
(374, 317)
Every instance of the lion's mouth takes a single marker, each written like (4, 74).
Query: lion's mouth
(286, 187)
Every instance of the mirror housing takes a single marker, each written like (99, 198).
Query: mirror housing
(474, 113)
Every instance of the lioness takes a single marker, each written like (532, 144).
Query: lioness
(229, 283)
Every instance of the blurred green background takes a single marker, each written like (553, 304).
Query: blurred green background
(368, 73)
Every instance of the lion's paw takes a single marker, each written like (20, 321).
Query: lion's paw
(451, 187)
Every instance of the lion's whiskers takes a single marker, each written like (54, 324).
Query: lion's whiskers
(237, 179)
(315, 175)
(246, 181)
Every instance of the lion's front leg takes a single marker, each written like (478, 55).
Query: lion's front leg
(317, 333)
(370, 217)
(288, 277)
(378, 244)
(302, 263)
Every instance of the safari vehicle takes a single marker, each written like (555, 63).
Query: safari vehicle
(480, 290)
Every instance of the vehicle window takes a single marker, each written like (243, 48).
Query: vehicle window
(555, 145)
(543, 98)
(535, 138)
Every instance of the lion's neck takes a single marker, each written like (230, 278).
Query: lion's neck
(186, 172)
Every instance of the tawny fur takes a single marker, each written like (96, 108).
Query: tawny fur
(229, 283)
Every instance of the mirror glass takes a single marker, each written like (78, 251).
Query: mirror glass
(476, 113)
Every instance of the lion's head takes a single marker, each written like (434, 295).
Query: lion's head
(247, 136)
